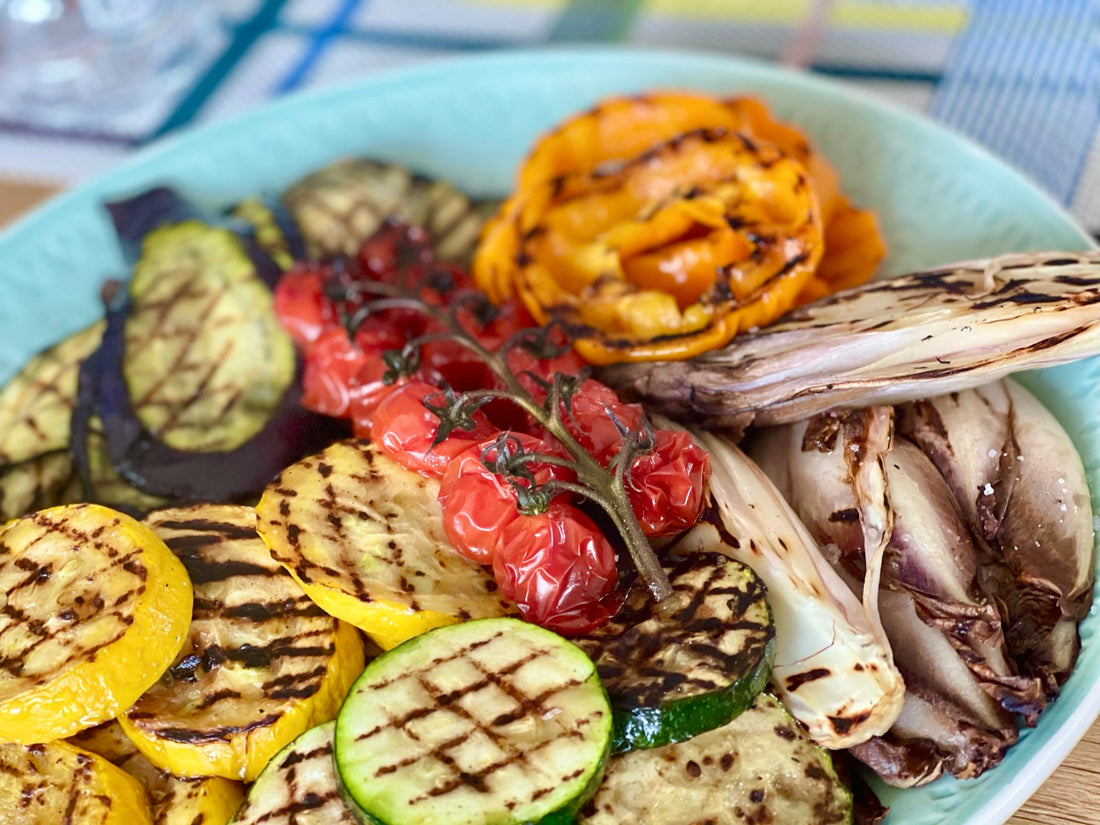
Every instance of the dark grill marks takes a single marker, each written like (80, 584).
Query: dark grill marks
(493, 680)
(250, 618)
(57, 541)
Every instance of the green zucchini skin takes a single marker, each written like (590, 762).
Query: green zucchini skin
(490, 721)
(674, 677)
(299, 786)
(761, 767)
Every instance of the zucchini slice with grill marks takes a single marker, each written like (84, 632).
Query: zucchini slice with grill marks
(761, 767)
(261, 664)
(364, 536)
(46, 480)
(671, 677)
(59, 783)
(95, 609)
(174, 800)
(339, 207)
(36, 405)
(299, 786)
(494, 721)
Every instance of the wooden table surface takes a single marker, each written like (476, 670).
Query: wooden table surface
(1071, 796)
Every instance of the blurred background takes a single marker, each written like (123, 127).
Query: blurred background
(1021, 77)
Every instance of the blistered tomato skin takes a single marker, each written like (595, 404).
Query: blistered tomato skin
(559, 569)
(405, 429)
(301, 305)
(666, 486)
(478, 503)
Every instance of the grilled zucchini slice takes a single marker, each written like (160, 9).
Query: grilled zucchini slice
(96, 608)
(671, 677)
(206, 360)
(299, 786)
(761, 767)
(493, 721)
(339, 207)
(364, 537)
(46, 480)
(261, 663)
(59, 783)
(37, 404)
(174, 800)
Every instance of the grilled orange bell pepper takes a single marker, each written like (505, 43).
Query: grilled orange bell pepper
(651, 245)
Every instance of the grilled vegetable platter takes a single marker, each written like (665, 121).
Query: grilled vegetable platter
(631, 497)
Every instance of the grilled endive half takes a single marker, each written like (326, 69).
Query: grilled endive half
(174, 800)
(888, 341)
(833, 666)
(59, 783)
(95, 609)
(261, 663)
(364, 537)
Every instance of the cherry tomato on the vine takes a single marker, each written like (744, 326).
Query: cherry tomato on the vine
(405, 429)
(592, 421)
(559, 569)
(478, 503)
(666, 486)
(301, 305)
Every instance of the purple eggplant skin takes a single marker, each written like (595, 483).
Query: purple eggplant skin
(181, 476)
(1023, 488)
(136, 217)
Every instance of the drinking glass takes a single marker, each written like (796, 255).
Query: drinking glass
(86, 63)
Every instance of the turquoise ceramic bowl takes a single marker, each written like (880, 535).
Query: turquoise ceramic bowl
(939, 198)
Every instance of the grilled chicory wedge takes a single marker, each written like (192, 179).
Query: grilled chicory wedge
(173, 800)
(673, 675)
(95, 609)
(833, 666)
(299, 786)
(492, 721)
(261, 663)
(364, 537)
(888, 341)
(761, 767)
(59, 783)
(337, 208)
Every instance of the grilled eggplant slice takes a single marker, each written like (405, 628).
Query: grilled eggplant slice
(671, 677)
(37, 404)
(490, 721)
(762, 767)
(299, 786)
(207, 362)
(261, 663)
(174, 800)
(57, 782)
(95, 609)
(337, 208)
(364, 537)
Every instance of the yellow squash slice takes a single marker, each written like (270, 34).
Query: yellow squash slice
(59, 783)
(261, 664)
(175, 800)
(364, 536)
(95, 609)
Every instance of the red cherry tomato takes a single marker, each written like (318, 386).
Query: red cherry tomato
(404, 429)
(666, 486)
(301, 305)
(594, 408)
(559, 569)
(478, 503)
